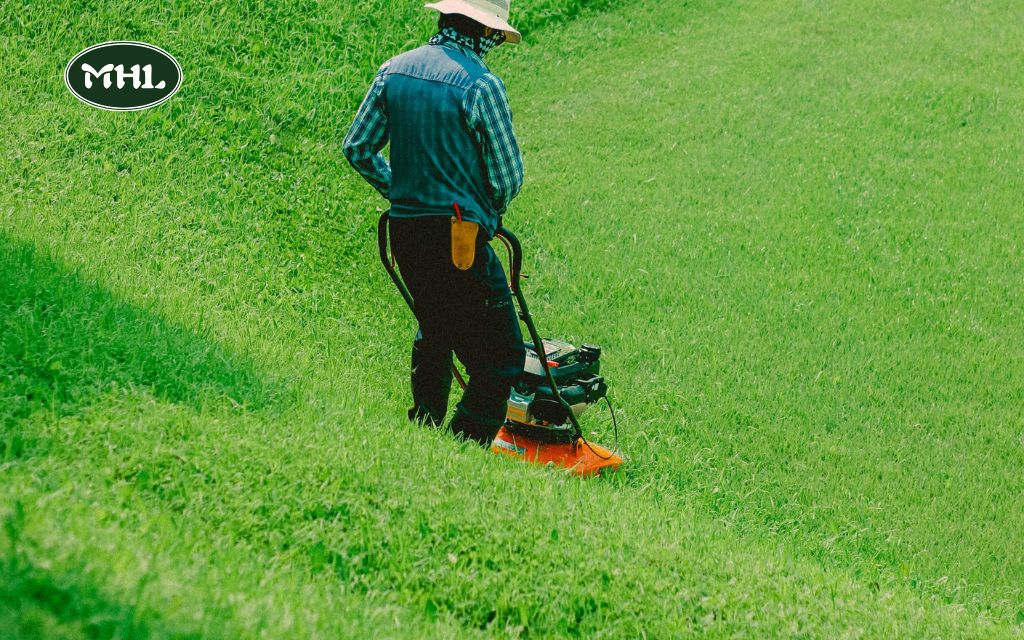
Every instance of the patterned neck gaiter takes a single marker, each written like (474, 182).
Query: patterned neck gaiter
(479, 46)
(486, 44)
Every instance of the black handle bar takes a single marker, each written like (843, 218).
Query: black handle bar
(515, 250)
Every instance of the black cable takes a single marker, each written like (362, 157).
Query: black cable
(615, 425)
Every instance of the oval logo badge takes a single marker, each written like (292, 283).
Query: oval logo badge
(123, 76)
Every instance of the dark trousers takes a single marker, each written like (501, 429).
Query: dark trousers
(469, 313)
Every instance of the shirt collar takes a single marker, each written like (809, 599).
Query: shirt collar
(449, 37)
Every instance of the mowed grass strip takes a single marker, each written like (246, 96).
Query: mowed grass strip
(241, 525)
(280, 265)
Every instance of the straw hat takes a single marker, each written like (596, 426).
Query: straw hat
(490, 13)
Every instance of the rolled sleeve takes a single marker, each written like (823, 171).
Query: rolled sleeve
(491, 119)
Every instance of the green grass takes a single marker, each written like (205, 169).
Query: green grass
(794, 228)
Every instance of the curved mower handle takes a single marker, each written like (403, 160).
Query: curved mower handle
(515, 250)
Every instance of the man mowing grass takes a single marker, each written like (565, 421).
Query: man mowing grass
(453, 153)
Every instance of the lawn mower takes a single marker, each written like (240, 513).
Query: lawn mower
(559, 382)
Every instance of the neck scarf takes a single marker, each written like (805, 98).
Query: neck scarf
(480, 46)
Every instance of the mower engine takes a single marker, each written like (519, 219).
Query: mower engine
(533, 410)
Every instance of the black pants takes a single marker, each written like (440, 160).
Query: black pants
(469, 313)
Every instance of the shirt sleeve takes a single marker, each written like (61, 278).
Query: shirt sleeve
(490, 118)
(368, 135)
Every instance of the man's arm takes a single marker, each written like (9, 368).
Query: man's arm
(491, 119)
(368, 135)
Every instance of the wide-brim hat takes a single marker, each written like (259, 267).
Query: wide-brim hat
(490, 13)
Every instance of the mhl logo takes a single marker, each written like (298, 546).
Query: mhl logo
(123, 76)
(104, 72)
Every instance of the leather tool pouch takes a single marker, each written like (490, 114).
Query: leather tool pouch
(463, 243)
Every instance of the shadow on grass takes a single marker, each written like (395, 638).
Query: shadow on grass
(64, 340)
(37, 603)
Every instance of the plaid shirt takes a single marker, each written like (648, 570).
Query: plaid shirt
(488, 117)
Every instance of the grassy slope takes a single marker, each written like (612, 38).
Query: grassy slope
(823, 311)
(828, 298)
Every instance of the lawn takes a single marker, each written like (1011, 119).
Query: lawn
(793, 227)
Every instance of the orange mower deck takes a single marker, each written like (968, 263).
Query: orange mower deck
(582, 458)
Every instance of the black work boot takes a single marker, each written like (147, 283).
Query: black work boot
(423, 417)
(463, 425)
